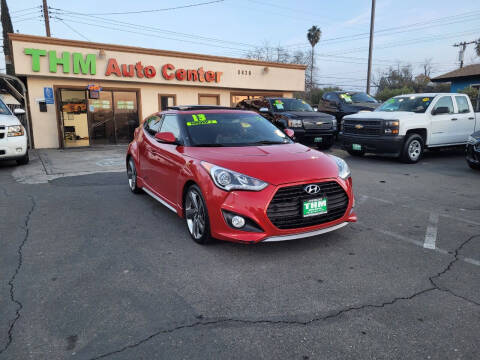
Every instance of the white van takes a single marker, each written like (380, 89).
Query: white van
(13, 138)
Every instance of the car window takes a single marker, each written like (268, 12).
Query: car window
(331, 97)
(445, 101)
(417, 104)
(170, 124)
(153, 123)
(462, 104)
(288, 104)
(4, 109)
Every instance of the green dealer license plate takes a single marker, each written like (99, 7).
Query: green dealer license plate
(318, 139)
(314, 207)
(356, 147)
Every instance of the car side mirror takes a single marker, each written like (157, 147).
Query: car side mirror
(19, 111)
(263, 110)
(441, 110)
(289, 132)
(166, 137)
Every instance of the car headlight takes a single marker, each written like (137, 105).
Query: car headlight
(472, 140)
(231, 180)
(294, 123)
(334, 123)
(15, 130)
(392, 127)
(343, 169)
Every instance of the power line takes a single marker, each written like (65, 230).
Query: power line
(30, 8)
(75, 31)
(154, 10)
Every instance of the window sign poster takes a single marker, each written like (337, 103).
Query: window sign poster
(48, 95)
(91, 108)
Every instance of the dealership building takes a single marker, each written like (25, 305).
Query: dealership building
(83, 93)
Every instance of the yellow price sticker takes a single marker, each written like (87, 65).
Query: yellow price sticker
(200, 119)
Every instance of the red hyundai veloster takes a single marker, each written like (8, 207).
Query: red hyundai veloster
(234, 176)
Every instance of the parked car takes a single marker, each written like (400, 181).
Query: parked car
(310, 127)
(472, 152)
(405, 125)
(234, 176)
(13, 139)
(341, 103)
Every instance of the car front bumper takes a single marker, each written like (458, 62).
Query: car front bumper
(12, 148)
(253, 206)
(388, 145)
(472, 154)
(308, 137)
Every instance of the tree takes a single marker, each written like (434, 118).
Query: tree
(313, 36)
(7, 28)
(427, 67)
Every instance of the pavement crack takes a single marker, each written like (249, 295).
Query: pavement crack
(259, 321)
(456, 257)
(11, 282)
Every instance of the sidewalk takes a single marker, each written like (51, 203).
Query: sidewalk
(49, 164)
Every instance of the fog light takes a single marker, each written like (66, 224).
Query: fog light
(238, 221)
(19, 150)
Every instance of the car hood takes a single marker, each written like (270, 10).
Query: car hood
(307, 114)
(387, 115)
(8, 120)
(275, 164)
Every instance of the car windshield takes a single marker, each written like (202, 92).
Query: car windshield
(232, 129)
(281, 105)
(353, 98)
(4, 109)
(417, 104)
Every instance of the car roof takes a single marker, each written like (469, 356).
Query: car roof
(428, 94)
(205, 110)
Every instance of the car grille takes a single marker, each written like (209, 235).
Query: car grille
(2, 135)
(285, 209)
(362, 127)
(314, 124)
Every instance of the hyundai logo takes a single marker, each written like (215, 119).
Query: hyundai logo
(312, 189)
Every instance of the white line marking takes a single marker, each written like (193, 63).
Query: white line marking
(432, 230)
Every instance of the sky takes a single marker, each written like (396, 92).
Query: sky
(406, 32)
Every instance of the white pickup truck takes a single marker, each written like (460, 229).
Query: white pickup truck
(405, 125)
(13, 139)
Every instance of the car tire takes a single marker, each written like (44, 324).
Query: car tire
(23, 160)
(358, 153)
(473, 166)
(196, 216)
(412, 149)
(132, 177)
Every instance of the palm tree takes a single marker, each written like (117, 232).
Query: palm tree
(313, 36)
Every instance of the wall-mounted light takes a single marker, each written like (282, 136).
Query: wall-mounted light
(101, 54)
(265, 69)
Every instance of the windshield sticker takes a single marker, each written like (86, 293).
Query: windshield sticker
(279, 106)
(426, 99)
(304, 102)
(390, 101)
(278, 101)
(245, 124)
(200, 119)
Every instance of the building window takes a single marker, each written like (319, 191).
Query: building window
(208, 99)
(166, 100)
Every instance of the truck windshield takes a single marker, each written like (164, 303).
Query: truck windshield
(417, 104)
(211, 129)
(281, 105)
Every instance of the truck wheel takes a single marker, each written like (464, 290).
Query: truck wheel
(23, 160)
(412, 149)
(473, 166)
(357, 153)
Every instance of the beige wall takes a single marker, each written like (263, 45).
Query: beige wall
(44, 124)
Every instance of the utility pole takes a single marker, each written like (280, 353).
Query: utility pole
(46, 18)
(461, 52)
(370, 47)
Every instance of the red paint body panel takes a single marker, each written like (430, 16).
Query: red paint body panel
(166, 169)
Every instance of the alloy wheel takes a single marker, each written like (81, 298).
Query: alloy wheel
(132, 176)
(195, 214)
(414, 150)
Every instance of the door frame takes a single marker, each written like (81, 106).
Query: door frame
(56, 91)
(168, 95)
(255, 93)
(217, 96)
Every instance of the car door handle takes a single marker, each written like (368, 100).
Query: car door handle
(471, 118)
(454, 119)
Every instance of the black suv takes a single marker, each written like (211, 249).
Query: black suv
(341, 103)
(310, 127)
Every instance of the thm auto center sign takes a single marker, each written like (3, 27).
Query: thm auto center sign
(78, 63)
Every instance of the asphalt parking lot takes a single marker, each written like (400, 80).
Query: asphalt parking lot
(91, 271)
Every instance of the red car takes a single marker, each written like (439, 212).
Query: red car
(234, 176)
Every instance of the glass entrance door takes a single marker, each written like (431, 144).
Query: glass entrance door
(74, 117)
(102, 125)
(126, 115)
